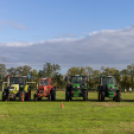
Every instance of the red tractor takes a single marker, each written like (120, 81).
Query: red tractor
(45, 89)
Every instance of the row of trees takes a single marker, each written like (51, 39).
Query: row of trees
(125, 77)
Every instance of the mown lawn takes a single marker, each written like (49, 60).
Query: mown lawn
(77, 117)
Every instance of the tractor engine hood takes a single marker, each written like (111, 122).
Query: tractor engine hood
(40, 87)
(14, 88)
(76, 85)
(112, 87)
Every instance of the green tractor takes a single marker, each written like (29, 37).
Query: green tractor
(77, 87)
(16, 87)
(109, 88)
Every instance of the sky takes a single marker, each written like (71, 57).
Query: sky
(67, 32)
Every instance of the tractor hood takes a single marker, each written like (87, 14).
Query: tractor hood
(76, 85)
(41, 87)
(14, 88)
(112, 86)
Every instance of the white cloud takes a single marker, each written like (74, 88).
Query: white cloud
(106, 47)
(12, 24)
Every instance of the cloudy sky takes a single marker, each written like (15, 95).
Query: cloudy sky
(69, 33)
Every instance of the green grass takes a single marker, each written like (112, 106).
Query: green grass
(77, 117)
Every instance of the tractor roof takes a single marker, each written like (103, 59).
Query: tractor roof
(44, 78)
(108, 76)
(79, 75)
(19, 76)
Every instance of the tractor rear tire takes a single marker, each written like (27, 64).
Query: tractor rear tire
(22, 96)
(28, 95)
(102, 96)
(4, 96)
(35, 97)
(53, 94)
(98, 95)
(118, 96)
(49, 97)
(85, 94)
(67, 95)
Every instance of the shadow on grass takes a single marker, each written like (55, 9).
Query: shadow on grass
(73, 100)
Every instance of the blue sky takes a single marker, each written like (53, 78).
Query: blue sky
(60, 23)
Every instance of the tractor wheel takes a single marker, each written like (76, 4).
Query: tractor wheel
(118, 96)
(49, 97)
(35, 97)
(29, 95)
(67, 95)
(22, 96)
(102, 96)
(98, 95)
(14, 98)
(85, 95)
(39, 98)
(53, 94)
(4, 96)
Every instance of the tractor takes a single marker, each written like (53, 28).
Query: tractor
(45, 89)
(16, 87)
(109, 88)
(77, 87)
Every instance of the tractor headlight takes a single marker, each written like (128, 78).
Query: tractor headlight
(110, 88)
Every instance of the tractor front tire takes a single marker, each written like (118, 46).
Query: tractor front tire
(118, 96)
(67, 95)
(29, 95)
(35, 97)
(98, 95)
(22, 96)
(49, 97)
(85, 94)
(102, 96)
(4, 96)
(39, 98)
(53, 94)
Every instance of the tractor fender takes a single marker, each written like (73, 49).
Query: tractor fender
(26, 88)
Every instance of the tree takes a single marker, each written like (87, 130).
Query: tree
(12, 71)
(2, 69)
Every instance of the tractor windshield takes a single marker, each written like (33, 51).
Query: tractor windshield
(44, 83)
(77, 79)
(17, 80)
(108, 80)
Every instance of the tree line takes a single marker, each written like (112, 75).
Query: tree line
(125, 77)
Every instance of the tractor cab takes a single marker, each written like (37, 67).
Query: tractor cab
(77, 81)
(109, 80)
(16, 83)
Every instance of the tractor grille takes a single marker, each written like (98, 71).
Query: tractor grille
(76, 89)
(41, 91)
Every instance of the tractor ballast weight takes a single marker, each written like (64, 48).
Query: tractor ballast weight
(45, 89)
(17, 87)
(77, 87)
(108, 88)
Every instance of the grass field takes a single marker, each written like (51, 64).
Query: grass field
(77, 117)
